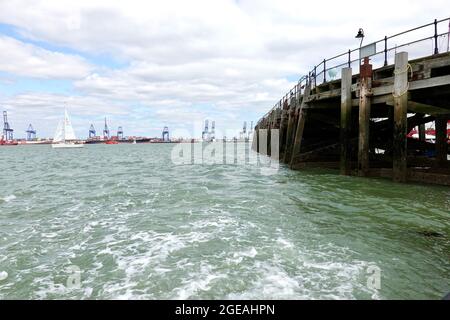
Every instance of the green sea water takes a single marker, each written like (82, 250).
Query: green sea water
(125, 222)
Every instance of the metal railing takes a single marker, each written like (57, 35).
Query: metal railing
(319, 72)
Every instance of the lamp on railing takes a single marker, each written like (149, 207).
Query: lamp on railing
(360, 35)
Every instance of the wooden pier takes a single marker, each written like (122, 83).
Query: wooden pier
(359, 123)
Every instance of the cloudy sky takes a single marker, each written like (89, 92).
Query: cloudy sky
(148, 64)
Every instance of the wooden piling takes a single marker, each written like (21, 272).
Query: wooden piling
(400, 117)
(422, 132)
(269, 126)
(283, 127)
(289, 131)
(255, 141)
(441, 141)
(302, 114)
(364, 117)
(346, 117)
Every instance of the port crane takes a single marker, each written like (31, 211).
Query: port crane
(165, 134)
(92, 132)
(250, 130)
(120, 133)
(205, 133)
(7, 131)
(106, 130)
(212, 136)
(31, 133)
(243, 133)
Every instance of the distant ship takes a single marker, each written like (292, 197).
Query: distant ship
(64, 135)
(8, 142)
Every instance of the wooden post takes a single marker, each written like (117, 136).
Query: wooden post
(441, 141)
(269, 125)
(254, 139)
(400, 117)
(422, 132)
(283, 127)
(262, 139)
(296, 148)
(289, 132)
(364, 117)
(346, 117)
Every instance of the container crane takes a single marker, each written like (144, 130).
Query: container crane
(7, 131)
(92, 132)
(165, 134)
(120, 133)
(31, 133)
(205, 132)
(212, 136)
(106, 130)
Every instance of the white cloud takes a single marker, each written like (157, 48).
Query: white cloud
(231, 57)
(28, 60)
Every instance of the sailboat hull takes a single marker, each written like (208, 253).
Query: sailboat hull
(66, 145)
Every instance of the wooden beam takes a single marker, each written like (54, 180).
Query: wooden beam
(416, 85)
(400, 117)
(300, 126)
(346, 117)
(418, 107)
(387, 98)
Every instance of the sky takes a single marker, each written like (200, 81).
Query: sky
(148, 64)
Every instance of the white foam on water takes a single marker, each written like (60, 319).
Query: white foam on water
(49, 234)
(251, 253)
(272, 283)
(285, 243)
(239, 256)
(47, 287)
(145, 253)
(197, 282)
(3, 275)
(9, 198)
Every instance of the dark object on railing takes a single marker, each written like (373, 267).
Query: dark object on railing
(349, 58)
(436, 50)
(324, 70)
(385, 51)
(315, 76)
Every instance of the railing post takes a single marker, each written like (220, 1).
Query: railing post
(385, 51)
(436, 50)
(315, 76)
(349, 58)
(324, 70)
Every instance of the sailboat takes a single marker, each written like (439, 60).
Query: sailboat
(64, 135)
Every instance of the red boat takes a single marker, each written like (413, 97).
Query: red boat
(111, 142)
(430, 133)
(8, 143)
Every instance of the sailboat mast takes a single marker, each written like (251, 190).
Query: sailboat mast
(64, 126)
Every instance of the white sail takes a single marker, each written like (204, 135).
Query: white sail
(69, 134)
(59, 133)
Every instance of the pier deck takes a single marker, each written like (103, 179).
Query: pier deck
(362, 123)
